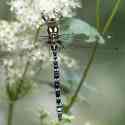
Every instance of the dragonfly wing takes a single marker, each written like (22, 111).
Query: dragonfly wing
(78, 27)
(42, 37)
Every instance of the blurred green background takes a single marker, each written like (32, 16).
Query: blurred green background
(106, 81)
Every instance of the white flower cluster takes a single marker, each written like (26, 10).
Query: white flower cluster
(29, 11)
(13, 71)
(17, 37)
(11, 38)
(40, 54)
(7, 35)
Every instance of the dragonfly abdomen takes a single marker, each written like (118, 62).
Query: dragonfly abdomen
(59, 104)
(54, 43)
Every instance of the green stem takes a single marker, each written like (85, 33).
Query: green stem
(28, 62)
(86, 71)
(10, 113)
(22, 78)
(111, 17)
(98, 19)
(11, 104)
(37, 33)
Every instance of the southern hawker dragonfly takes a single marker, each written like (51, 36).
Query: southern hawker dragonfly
(70, 33)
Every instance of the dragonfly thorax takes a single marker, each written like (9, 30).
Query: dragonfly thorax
(52, 30)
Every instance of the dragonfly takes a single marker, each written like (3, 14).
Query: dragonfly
(54, 44)
(56, 40)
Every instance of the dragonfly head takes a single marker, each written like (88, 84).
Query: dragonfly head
(52, 26)
(52, 21)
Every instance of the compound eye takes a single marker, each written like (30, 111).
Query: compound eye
(50, 30)
(55, 29)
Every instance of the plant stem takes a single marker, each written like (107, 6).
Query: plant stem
(113, 13)
(98, 19)
(28, 61)
(85, 73)
(10, 113)
(22, 78)
(11, 104)
(37, 33)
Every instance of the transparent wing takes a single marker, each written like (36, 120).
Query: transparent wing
(71, 28)
(77, 28)
(79, 43)
(75, 33)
